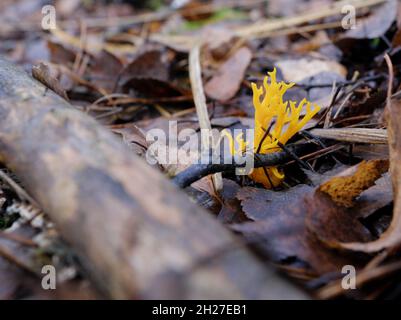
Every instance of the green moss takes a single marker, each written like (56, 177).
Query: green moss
(6, 221)
(375, 42)
(218, 16)
(154, 4)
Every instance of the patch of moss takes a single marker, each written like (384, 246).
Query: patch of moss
(218, 16)
(6, 221)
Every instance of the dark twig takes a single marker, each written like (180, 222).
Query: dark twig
(265, 135)
(302, 163)
(198, 171)
(308, 87)
(311, 137)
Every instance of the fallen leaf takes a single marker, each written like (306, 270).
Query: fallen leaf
(219, 44)
(376, 197)
(231, 211)
(154, 88)
(396, 42)
(133, 136)
(227, 81)
(392, 236)
(300, 69)
(332, 222)
(280, 231)
(258, 204)
(149, 65)
(60, 54)
(311, 87)
(317, 178)
(376, 24)
(148, 74)
(42, 73)
(105, 69)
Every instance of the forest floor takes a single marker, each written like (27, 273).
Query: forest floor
(325, 213)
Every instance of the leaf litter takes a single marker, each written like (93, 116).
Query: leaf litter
(131, 73)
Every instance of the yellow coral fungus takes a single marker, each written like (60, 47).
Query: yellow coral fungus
(241, 142)
(276, 121)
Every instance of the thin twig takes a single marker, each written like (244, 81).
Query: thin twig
(390, 79)
(20, 192)
(335, 288)
(195, 74)
(308, 87)
(18, 238)
(6, 254)
(278, 24)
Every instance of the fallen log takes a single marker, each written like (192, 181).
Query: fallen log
(134, 231)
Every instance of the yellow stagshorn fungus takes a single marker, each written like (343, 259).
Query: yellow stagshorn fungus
(276, 121)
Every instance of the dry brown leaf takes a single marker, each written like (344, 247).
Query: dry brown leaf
(281, 233)
(148, 74)
(218, 42)
(299, 69)
(375, 198)
(231, 211)
(105, 69)
(133, 136)
(391, 238)
(227, 81)
(60, 54)
(334, 223)
(42, 73)
(147, 65)
(397, 39)
(376, 24)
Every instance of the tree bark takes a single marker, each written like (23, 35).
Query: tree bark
(135, 232)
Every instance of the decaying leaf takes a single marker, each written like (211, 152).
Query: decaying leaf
(148, 75)
(132, 136)
(375, 198)
(297, 70)
(147, 65)
(105, 69)
(231, 211)
(59, 53)
(376, 24)
(42, 73)
(392, 236)
(218, 42)
(260, 204)
(281, 233)
(332, 222)
(227, 81)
